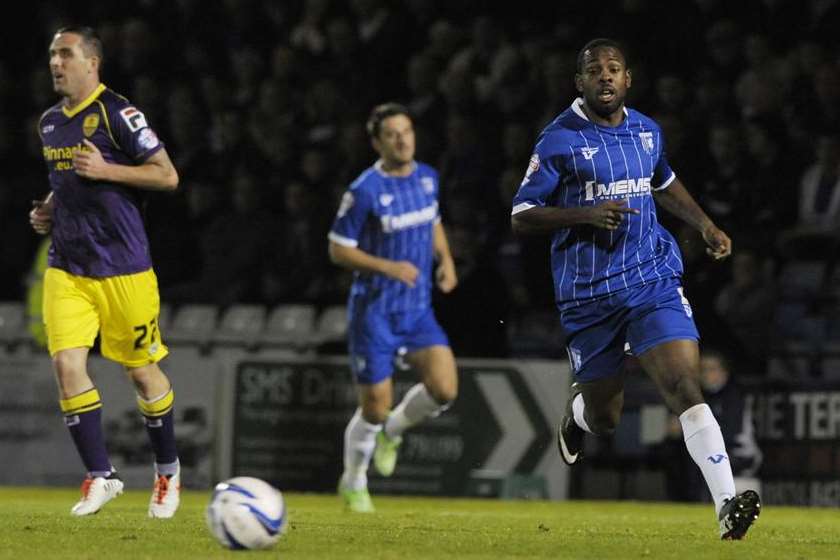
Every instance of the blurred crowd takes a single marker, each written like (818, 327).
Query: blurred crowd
(262, 106)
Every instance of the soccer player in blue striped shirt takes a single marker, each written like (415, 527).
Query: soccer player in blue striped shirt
(388, 231)
(592, 181)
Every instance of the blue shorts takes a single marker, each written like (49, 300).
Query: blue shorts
(641, 317)
(375, 339)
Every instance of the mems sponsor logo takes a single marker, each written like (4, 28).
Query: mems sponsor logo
(622, 188)
(391, 224)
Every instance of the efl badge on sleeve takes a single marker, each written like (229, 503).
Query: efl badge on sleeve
(133, 118)
(346, 203)
(533, 166)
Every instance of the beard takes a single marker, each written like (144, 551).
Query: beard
(604, 109)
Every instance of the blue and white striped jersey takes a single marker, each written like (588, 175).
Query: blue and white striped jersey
(578, 163)
(392, 218)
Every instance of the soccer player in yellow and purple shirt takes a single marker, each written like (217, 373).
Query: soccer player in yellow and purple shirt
(102, 157)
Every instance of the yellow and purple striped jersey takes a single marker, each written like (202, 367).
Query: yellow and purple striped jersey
(97, 228)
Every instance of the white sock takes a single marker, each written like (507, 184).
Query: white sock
(705, 445)
(416, 406)
(167, 469)
(359, 442)
(577, 409)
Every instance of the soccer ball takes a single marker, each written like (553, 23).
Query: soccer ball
(246, 513)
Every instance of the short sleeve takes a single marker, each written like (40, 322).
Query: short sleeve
(133, 133)
(541, 178)
(663, 175)
(352, 214)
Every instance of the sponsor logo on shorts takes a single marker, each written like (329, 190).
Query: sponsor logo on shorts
(359, 363)
(574, 358)
(685, 303)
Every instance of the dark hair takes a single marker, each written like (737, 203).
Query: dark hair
(382, 112)
(91, 43)
(600, 43)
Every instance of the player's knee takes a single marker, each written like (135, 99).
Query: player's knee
(149, 380)
(67, 366)
(374, 415)
(603, 423)
(444, 395)
(681, 391)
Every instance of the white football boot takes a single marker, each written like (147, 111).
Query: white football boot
(166, 495)
(96, 492)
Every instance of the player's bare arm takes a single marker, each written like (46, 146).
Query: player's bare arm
(356, 259)
(156, 173)
(607, 215)
(678, 201)
(445, 275)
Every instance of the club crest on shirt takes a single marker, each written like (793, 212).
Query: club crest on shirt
(428, 184)
(646, 139)
(90, 124)
(386, 199)
(588, 152)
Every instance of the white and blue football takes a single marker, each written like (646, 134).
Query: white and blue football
(246, 513)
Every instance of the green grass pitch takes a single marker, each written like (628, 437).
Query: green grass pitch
(36, 525)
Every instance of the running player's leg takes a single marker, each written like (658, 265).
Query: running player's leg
(428, 354)
(596, 336)
(436, 392)
(156, 399)
(130, 336)
(360, 442)
(427, 399)
(72, 320)
(664, 337)
(372, 347)
(675, 367)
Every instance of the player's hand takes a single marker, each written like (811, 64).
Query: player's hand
(445, 275)
(610, 214)
(41, 217)
(404, 271)
(719, 244)
(89, 163)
